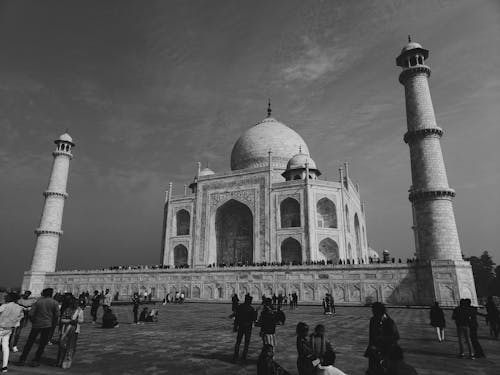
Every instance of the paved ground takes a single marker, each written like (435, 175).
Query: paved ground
(197, 339)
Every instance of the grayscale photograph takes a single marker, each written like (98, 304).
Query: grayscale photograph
(269, 187)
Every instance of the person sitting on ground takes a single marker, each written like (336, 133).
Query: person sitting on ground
(152, 316)
(266, 364)
(144, 315)
(321, 346)
(395, 365)
(109, 319)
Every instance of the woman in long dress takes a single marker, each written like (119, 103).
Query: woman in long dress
(71, 318)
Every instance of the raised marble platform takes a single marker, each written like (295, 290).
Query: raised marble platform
(356, 284)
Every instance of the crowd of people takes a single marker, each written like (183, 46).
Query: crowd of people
(57, 319)
(370, 260)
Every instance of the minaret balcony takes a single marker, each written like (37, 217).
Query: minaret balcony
(420, 195)
(56, 193)
(413, 71)
(411, 136)
(39, 231)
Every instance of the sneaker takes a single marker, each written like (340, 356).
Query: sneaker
(472, 357)
(15, 349)
(4, 369)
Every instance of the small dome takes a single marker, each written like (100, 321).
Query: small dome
(299, 162)
(206, 172)
(66, 137)
(252, 148)
(409, 46)
(372, 253)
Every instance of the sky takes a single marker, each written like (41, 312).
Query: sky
(147, 89)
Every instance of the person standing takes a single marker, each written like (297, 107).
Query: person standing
(43, 315)
(10, 316)
(25, 302)
(462, 317)
(107, 299)
(295, 298)
(478, 349)
(94, 306)
(493, 317)
(437, 320)
(267, 323)
(383, 336)
(71, 319)
(245, 317)
(306, 360)
(332, 304)
(136, 301)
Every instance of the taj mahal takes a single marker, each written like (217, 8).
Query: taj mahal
(272, 225)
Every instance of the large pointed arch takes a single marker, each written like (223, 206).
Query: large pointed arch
(290, 213)
(180, 255)
(183, 221)
(234, 233)
(326, 213)
(357, 234)
(291, 251)
(330, 250)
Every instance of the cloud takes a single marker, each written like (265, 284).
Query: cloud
(315, 62)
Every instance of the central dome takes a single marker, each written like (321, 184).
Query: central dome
(251, 149)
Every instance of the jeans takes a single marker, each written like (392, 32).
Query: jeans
(247, 332)
(44, 339)
(464, 332)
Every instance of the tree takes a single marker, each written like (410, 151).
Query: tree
(484, 278)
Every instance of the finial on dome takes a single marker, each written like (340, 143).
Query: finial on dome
(409, 39)
(269, 110)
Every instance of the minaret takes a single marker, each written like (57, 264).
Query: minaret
(431, 197)
(49, 230)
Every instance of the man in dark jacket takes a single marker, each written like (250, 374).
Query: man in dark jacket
(44, 315)
(245, 317)
(383, 336)
(462, 317)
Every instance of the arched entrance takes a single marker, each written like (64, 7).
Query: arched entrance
(290, 213)
(291, 251)
(180, 255)
(326, 213)
(183, 221)
(357, 232)
(330, 250)
(234, 233)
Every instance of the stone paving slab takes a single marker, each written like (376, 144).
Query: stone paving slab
(197, 338)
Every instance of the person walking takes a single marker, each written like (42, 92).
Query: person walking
(438, 321)
(94, 306)
(25, 302)
(10, 316)
(493, 316)
(44, 315)
(462, 317)
(245, 317)
(478, 349)
(136, 301)
(71, 319)
(383, 336)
